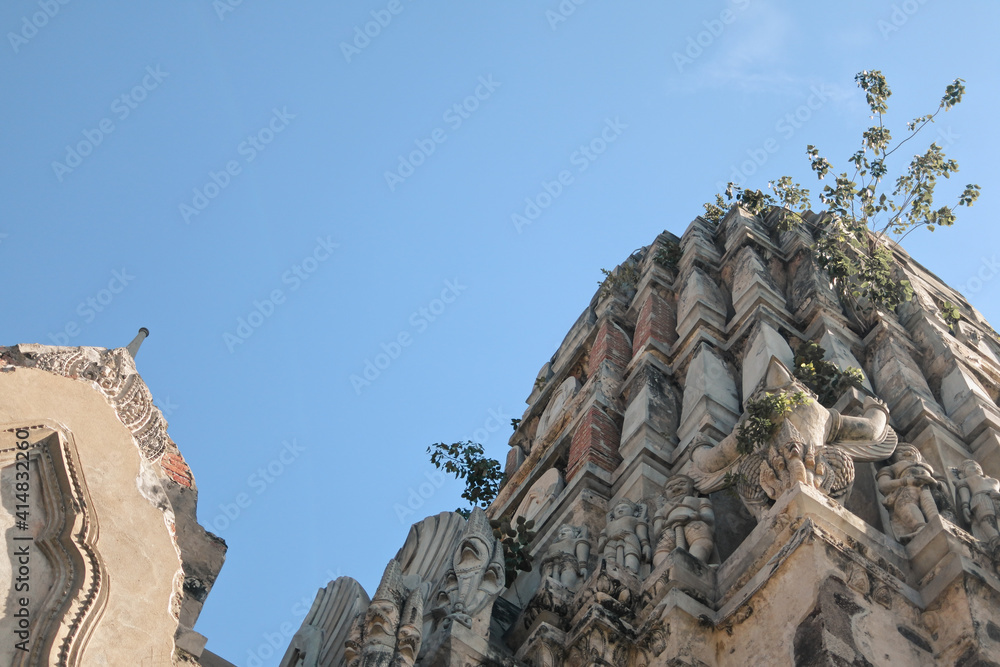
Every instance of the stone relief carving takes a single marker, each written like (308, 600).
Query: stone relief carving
(476, 576)
(70, 579)
(388, 633)
(979, 503)
(907, 484)
(683, 521)
(565, 560)
(563, 569)
(553, 413)
(625, 539)
(114, 373)
(812, 444)
(541, 496)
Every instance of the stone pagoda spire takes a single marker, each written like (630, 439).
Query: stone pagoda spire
(725, 464)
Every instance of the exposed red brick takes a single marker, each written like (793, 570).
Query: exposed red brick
(656, 321)
(612, 344)
(180, 479)
(596, 441)
(177, 469)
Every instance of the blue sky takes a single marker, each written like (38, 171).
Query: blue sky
(217, 172)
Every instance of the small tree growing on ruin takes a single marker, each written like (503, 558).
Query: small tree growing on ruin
(853, 242)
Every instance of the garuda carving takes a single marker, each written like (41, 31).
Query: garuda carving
(812, 444)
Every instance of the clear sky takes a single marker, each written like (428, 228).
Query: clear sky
(281, 199)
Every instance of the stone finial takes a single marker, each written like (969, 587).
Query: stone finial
(133, 347)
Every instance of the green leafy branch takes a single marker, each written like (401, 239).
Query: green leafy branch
(824, 377)
(763, 418)
(950, 314)
(467, 461)
(515, 541)
(852, 240)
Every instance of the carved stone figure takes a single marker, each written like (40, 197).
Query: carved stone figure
(625, 540)
(540, 497)
(791, 459)
(812, 444)
(477, 573)
(566, 558)
(979, 502)
(683, 521)
(388, 633)
(907, 484)
(410, 628)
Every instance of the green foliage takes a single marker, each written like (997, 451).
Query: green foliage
(482, 475)
(853, 244)
(950, 314)
(714, 212)
(622, 279)
(824, 377)
(761, 421)
(669, 255)
(467, 460)
(515, 541)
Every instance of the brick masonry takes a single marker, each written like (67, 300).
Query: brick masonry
(596, 441)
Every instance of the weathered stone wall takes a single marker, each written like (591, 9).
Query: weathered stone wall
(114, 564)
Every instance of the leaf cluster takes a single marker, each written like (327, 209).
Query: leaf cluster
(824, 377)
(668, 255)
(853, 244)
(622, 279)
(467, 460)
(515, 541)
(950, 314)
(761, 422)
